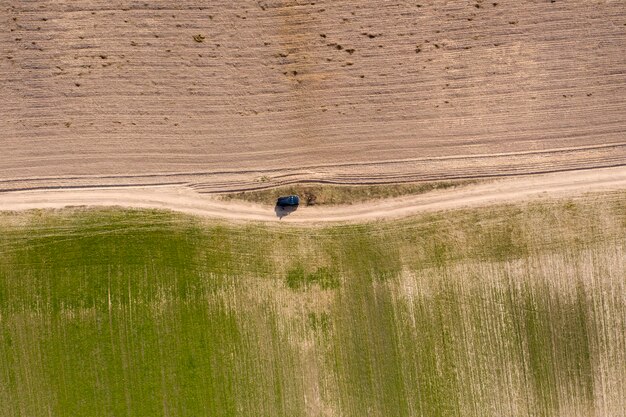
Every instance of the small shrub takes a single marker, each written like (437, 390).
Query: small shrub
(310, 198)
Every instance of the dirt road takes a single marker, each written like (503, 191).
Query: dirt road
(183, 199)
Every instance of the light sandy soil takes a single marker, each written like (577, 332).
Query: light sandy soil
(182, 199)
(113, 92)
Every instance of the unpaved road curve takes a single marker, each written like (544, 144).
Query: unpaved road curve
(185, 200)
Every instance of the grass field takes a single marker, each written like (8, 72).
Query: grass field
(510, 311)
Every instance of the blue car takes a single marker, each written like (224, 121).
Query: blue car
(288, 201)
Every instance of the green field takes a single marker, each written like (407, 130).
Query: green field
(509, 311)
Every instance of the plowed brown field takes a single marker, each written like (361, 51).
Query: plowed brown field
(119, 92)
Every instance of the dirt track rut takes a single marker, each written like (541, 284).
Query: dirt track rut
(183, 199)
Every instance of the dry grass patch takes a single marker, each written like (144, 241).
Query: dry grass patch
(343, 194)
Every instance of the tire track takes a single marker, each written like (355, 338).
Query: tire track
(366, 173)
(181, 199)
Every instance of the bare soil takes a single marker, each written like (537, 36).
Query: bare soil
(234, 95)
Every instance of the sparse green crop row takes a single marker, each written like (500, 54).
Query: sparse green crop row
(511, 311)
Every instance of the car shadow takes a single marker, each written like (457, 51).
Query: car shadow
(284, 211)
